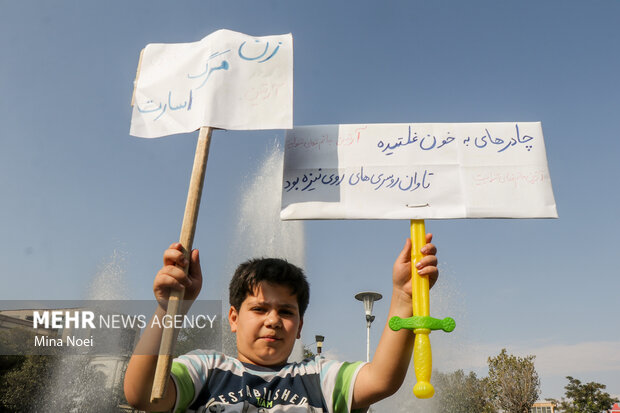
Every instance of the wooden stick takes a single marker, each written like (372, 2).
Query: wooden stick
(188, 229)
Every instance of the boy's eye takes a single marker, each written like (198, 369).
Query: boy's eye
(258, 309)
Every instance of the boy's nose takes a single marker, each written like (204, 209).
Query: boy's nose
(273, 319)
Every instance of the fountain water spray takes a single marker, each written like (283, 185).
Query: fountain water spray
(261, 233)
(79, 383)
(83, 383)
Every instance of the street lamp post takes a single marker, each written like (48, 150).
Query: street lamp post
(368, 298)
(319, 343)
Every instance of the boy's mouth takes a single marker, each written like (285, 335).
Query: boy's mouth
(270, 339)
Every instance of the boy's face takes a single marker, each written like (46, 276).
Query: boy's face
(267, 325)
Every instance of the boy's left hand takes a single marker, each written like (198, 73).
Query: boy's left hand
(401, 273)
(383, 376)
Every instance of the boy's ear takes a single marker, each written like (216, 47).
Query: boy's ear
(301, 324)
(233, 316)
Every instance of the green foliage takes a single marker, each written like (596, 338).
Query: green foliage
(460, 393)
(22, 378)
(513, 382)
(555, 403)
(308, 353)
(586, 398)
(57, 384)
(51, 383)
(25, 382)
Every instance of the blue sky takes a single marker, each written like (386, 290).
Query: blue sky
(76, 187)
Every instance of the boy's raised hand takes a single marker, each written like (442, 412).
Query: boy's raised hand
(384, 375)
(401, 273)
(172, 275)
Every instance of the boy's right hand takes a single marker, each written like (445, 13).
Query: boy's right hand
(172, 276)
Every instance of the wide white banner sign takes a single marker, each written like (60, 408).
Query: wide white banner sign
(417, 171)
(227, 80)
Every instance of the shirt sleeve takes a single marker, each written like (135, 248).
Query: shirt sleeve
(185, 387)
(337, 383)
(189, 374)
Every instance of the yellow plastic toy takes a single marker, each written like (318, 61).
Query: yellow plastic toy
(421, 323)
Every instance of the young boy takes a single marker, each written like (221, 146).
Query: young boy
(268, 299)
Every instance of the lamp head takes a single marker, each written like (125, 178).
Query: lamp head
(319, 343)
(368, 298)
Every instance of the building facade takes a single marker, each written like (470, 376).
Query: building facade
(543, 406)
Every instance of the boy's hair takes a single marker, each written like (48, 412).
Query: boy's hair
(276, 271)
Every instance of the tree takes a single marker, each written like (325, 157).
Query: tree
(555, 403)
(55, 382)
(23, 378)
(460, 393)
(308, 353)
(25, 383)
(586, 398)
(513, 382)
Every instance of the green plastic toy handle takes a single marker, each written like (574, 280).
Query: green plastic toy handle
(411, 323)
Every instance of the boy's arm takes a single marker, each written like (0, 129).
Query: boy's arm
(141, 368)
(384, 375)
(141, 371)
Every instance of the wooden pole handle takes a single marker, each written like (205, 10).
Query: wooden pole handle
(188, 229)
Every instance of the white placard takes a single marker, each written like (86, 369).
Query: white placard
(417, 171)
(227, 80)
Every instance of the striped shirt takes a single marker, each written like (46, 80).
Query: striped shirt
(209, 381)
